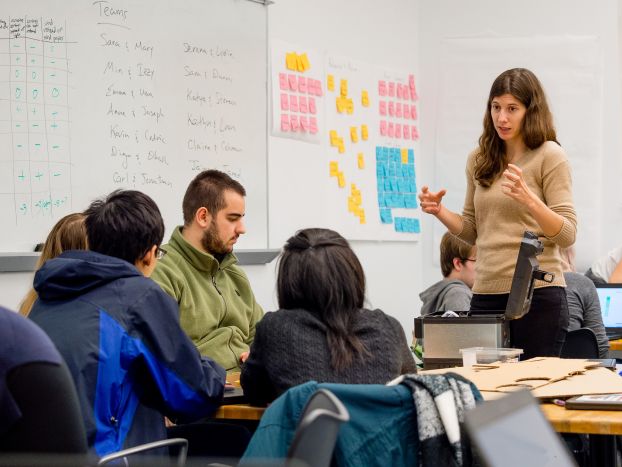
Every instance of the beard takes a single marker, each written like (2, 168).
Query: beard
(212, 243)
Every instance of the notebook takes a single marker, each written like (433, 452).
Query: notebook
(610, 297)
(512, 432)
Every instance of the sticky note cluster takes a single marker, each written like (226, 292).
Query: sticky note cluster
(355, 202)
(335, 172)
(397, 109)
(298, 103)
(344, 103)
(297, 62)
(396, 185)
(337, 141)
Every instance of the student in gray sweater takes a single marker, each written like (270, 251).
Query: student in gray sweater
(583, 304)
(458, 268)
(322, 332)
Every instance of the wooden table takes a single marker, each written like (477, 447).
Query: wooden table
(238, 411)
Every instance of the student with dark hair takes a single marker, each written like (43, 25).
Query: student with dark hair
(119, 332)
(458, 268)
(322, 331)
(217, 307)
(518, 179)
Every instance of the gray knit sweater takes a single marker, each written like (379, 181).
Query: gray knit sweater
(291, 348)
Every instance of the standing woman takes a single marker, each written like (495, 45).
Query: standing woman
(517, 179)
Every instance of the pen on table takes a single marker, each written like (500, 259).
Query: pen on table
(559, 402)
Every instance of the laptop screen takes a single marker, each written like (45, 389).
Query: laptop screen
(610, 297)
(513, 432)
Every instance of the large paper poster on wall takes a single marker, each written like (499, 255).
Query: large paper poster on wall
(371, 121)
(297, 91)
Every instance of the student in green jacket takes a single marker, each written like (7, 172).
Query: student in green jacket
(216, 304)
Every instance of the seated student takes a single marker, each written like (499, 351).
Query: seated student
(68, 233)
(32, 422)
(607, 269)
(458, 268)
(322, 332)
(217, 307)
(583, 304)
(119, 332)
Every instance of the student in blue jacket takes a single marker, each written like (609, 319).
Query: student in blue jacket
(119, 332)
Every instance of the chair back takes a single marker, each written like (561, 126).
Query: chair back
(51, 419)
(580, 343)
(316, 435)
(145, 448)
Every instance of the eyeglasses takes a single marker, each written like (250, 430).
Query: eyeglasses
(469, 259)
(160, 253)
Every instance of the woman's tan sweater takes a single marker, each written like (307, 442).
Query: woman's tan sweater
(495, 222)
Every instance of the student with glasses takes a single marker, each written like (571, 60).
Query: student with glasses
(458, 268)
(119, 332)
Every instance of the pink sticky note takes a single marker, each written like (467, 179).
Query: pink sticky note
(414, 133)
(399, 91)
(294, 123)
(382, 88)
(318, 88)
(284, 122)
(413, 112)
(312, 108)
(391, 91)
(398, 130)
(293, 103)
(284, 102)
(406, 132)
(312, 125)
(406, 110)
(283, 82)
(293, 82)
(413, 94)
(391, 108)
(391, 130)
(383, 108)
(383, 128)
(411, 81)
(302, 104)
(398, 109)
(302, 84)
(304, 123)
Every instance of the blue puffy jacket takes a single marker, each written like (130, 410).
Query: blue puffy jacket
(130, 360)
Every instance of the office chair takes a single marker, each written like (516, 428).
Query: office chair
(315, 438)
(145, 448)
(51, 420)
(580, 343)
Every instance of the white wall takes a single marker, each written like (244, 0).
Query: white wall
(410, 33)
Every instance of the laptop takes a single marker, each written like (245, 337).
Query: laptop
(512, 432)
(610, 297)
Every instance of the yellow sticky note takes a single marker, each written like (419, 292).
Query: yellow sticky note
(349, 106)
(330, 82)
(351, 206)
(364, 132)
(305, 62)
(299, 65)
(364, 98)
(362, 217)
(343, 84)
(290, 61)
(333, 137)
(354, 135)
(361, 161)
(341, 179)
(333, 168)
(340, 105)
(341, 146)
(404, 156)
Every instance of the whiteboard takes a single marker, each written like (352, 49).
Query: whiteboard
(100, 95)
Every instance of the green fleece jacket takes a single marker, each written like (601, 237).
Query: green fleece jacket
(217, 308)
